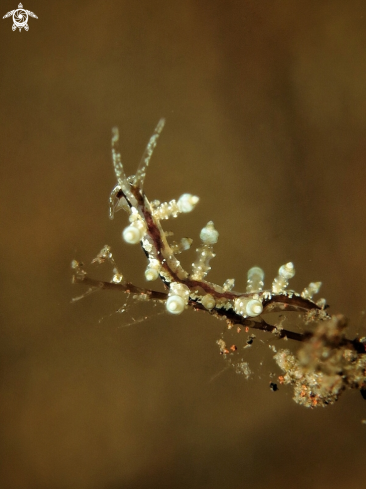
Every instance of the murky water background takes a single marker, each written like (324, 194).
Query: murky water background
(266, 121)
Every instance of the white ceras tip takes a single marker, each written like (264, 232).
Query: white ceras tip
(287, 271)
(187, 202)
(255, 273)
(152, 270)
(314, 287)
(208, 234)
(132, 234)
(310, 290)
(245, 306)
(208, 301)
(254, 308)
(175, 304)
(151, 274)
(177, 298)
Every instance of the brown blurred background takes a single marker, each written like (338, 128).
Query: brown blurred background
(266, 121)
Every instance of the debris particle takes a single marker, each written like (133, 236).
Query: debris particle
(222, 346)
(243, 368)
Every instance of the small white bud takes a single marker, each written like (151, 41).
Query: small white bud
(208, 234)
(208, 301)
(175, 304)
(187, 202)
(246, 306)
(132, 234)
(135, 231)
(254, 308)
(177, 298)
(117, 277)
(151, 274)
(152, 270)
(287, 271)
(321, 303)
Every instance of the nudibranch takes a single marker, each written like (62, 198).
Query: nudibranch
(192, 288)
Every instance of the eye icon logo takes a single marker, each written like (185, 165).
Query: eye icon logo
(20, 17)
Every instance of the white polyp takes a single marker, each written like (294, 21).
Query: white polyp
(310, 290)
(132, 234)
(255, 279)
(208, 301)
(187, 202)
(254, 308)
(175, 304)
(208, 234)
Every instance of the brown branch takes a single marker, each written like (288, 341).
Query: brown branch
(235, 319)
